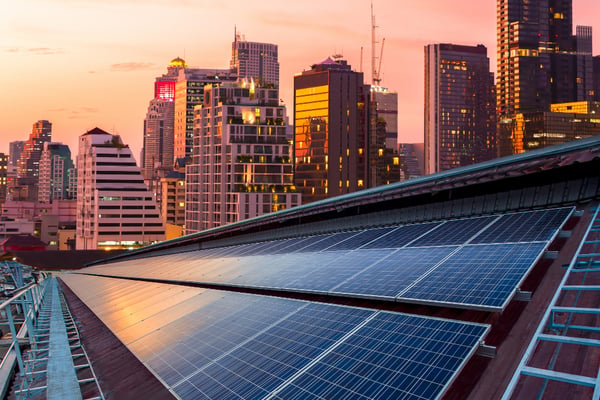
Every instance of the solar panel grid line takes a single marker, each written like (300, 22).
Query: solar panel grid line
(525, 275)
(321, 356)
(282, 349)
(294, 245)
(527, 226)
(384, 364)
(375, 262)
(390, 275)
(428, 272)
(401, 228)
(424, 234)
(453, 232)
(329, 241)
(364, 238)
(451, 274)
(241, 344)
(481, 231)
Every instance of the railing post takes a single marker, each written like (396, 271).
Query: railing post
(15, 339)
(29, 318)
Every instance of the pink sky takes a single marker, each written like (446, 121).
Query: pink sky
(87, 63)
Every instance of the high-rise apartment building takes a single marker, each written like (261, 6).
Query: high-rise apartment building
(540, 62)
(115, 207)
(29, 160)
(241, 165)
(55, 166)
(254, 60)
(332, 128)
(460, 124)
(159, 142)
(189, 92)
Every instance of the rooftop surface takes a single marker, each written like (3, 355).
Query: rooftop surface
(474, 283)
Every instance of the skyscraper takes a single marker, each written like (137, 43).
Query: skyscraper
(332, 127)
(189, 92)
(460, 124)
(241, 166)
(158, 144)
(115, 207)
(540, 62)
(56, 165)
(254, 60)
(15, 148)
(29, 160)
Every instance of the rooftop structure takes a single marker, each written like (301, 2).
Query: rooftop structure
(430, 287)
(254, 60)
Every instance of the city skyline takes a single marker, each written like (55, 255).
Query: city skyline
(85, 64)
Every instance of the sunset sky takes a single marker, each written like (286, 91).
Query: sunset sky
(87, 63)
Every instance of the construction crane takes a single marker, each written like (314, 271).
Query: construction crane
(375, 67)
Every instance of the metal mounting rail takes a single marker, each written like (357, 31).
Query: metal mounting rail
(568, 323)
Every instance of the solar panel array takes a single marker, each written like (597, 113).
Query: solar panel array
(472, 262)
(208, 344)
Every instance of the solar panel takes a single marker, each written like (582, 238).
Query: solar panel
(343, 266)
(400, 236)
(525, 227)
(392, 356)
(213, 344)
(394, 273)
(277, 271)
(477, 275)
(361, 239)
(453, 232)
(264, 361)
(328, 241)
(297, 243)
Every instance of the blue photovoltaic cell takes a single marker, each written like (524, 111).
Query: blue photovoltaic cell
(361, 239)
(296, 244)
(213, 330)
(229, 345)
(453, 232)
(328, 241)
(275, 245)
(261, 364)
(481, 275)
(400, 236)
(279, 270)
(393, 356)
(389, 276)
(525, 227)
(343, 266)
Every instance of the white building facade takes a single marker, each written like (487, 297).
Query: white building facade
(115, 207)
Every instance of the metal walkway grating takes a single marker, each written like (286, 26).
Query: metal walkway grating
(564, 354)
(56, 366)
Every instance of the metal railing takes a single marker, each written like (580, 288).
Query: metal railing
(24, 304)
